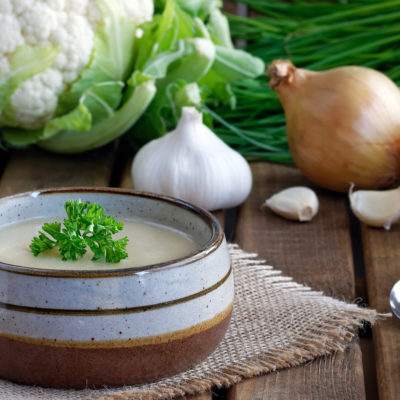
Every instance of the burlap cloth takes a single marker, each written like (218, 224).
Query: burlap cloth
(276, 323)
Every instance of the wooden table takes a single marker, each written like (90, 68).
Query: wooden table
(328, 254)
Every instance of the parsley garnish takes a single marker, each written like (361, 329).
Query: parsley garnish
(86, 226)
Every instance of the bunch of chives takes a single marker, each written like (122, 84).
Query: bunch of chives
(315, 35)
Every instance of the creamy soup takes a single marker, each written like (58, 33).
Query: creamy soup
(149, 243)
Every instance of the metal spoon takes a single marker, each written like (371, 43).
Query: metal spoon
(395, 299)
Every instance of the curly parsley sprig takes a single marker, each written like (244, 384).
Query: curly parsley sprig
(86, 226)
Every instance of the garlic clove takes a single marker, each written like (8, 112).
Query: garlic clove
(296, 203)
(378, 208)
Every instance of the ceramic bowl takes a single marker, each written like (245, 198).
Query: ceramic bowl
(81, 328)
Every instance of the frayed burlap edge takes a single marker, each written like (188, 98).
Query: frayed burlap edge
(326, 339)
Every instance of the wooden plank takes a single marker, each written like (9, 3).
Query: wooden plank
(36, 169)
(126, 179)
(370, 383)
(335, 377)
(230, 7)
(202, 396)
(381, 255)
(317, 254)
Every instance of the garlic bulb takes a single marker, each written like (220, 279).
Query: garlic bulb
(297, 203)
(193, 164)
(343, 124)
(376, 208)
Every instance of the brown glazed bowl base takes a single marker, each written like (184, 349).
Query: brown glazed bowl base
(96, 367)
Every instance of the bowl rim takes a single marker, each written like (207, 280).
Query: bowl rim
(217, 235)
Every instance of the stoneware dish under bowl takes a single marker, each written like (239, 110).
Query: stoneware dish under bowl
(81, 328)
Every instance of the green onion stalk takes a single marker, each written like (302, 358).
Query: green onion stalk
(316, 35)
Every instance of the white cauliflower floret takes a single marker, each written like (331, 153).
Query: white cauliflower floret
(139, 10)
(57, 5)
(70, 24)
(8, 43)
(77, 6)
(5, 7)
(93, 15)
(20, 6)
(38, 22)
(4, 68)
(75, 53)
(36, 99)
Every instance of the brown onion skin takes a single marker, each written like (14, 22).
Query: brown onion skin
(343, 124)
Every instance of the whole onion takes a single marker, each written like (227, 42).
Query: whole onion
(343, 124)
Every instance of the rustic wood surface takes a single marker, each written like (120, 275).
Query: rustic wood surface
(203, 396)
(346, 283)
(335, 377)
(382, 255)
(33, 169)
(299, 250)
(317, 254)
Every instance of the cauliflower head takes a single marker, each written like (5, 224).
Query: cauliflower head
(68, 29)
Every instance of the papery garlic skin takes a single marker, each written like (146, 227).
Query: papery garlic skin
(376, 208)
(191, 163)
(343, 124)
(296, 203)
